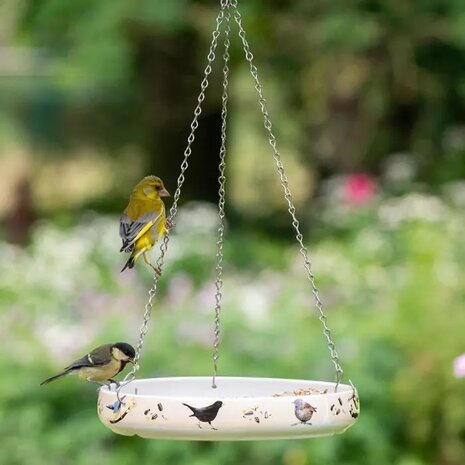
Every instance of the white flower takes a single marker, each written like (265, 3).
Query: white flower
(197, 218)
(455, 191)
(414, 206)
(459, 366)
(399, 167)
(63, 340)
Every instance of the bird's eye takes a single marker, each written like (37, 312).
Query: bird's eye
(158, 187)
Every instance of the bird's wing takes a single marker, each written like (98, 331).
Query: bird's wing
(99, 356)
(130, 231)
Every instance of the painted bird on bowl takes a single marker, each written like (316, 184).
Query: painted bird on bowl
(303, 411)
(143, 221)
(205, 414)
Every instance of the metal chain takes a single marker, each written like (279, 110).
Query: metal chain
(174, 208)
(287, 194)
(221, 202)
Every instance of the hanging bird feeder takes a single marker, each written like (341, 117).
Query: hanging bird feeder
(228, 408)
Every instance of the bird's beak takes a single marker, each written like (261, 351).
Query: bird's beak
(164, 193)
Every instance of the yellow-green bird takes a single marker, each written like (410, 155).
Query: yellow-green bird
(144, 220)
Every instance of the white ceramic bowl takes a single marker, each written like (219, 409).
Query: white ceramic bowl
(238, 409)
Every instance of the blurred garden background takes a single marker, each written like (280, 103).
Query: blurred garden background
(367, 99)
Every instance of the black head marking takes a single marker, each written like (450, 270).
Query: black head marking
(127, 349)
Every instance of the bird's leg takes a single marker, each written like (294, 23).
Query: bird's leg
(199, 425)
(114, 381)
(213, 428)
(154, 268)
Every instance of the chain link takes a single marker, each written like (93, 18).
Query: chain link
(221, 201)
(287, 194)
(225, 6)
(174, 208)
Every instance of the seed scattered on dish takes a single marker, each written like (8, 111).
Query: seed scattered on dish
(300, 392)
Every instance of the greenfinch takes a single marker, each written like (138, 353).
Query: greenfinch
(143, 221)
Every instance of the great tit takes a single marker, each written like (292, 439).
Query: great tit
(100, 365)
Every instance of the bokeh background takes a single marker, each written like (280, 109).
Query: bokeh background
(367, 99)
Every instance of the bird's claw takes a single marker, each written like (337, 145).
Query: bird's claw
(156, 270)
(113, 381)
(170, 224)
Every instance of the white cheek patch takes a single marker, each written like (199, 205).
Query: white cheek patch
(118, 354)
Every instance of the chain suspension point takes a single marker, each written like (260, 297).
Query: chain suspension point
(228, 7)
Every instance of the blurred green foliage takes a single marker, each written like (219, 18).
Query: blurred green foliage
(356, 80)
(393, 289)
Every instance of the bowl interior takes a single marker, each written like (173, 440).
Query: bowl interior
(226, 387)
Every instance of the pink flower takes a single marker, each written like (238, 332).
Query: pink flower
(459, 366)
(359, 189)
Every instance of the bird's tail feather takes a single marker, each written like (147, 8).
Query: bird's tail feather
(192, 408)
(53, 378)
(127, 247)
(130, 263)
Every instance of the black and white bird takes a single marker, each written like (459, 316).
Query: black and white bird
(206, 414)
(100, 365)
(303, 411)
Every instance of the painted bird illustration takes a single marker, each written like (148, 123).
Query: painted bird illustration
(206, 414)
(143, 221)
(303, 411)
(100, 365)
